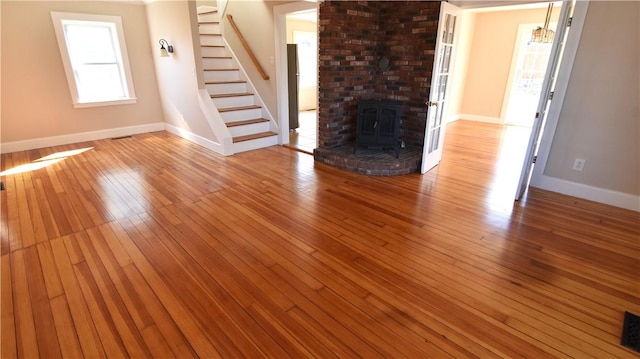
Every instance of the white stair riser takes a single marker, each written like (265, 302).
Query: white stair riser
(212, 76)
(218, 89)
(249, 129)
(217, 63)
(213, 51)
(209, 28)
(236, 101)
(208, 17)
(241, 115)
(211, 40)
(255, 144)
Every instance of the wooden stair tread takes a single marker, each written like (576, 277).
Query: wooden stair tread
(212, 46)
(217, 57)
(225, 82)
(240, 108)
(210, 34)
(208, 22)
(208, 12)
(220, 70)
(246, 122)
(254, 136)
(223, 95)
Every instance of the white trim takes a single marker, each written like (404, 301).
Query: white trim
(477, 118)
(192, 137)
(596, 194)
(123, 58)
(15, 146)
(105, 103)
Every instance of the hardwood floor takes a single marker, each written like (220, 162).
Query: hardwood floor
(151, 246)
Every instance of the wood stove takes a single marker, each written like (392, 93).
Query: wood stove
(378, 125)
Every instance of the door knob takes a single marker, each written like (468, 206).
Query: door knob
(431, 103)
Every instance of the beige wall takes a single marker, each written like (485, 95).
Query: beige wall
(491, 52)
(177, 74)
(36, 101)
(255, 20)
(600, 117)
(461, 64)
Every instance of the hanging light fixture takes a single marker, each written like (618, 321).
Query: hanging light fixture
(544, 34)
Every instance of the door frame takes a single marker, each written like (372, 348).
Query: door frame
(560, 90)
(280, 32)
(538, 179)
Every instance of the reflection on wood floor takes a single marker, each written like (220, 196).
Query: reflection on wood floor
(153, 246)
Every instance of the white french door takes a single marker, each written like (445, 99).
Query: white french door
(440, 79)
(545, 95)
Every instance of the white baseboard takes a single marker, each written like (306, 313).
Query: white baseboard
(197, 139)
(79, 137)
(477, 118)
(601, 195)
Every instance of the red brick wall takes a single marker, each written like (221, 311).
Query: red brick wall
(353, 36)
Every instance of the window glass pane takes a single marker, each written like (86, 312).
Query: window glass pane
(434, 139)
(442, 87)
(445, 57)
(445, 28)
(99, 83)
(307, 57)
(452, 27)
(90, 43)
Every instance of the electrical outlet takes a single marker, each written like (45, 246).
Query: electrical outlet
(578, 164)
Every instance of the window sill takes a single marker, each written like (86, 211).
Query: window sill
(105, 103)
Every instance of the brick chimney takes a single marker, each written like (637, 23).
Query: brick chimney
(353, 37)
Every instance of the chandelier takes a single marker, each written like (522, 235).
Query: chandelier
(544, 34)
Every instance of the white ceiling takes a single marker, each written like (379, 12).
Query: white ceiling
(305, 15)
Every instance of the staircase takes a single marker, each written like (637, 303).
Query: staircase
(250, 125)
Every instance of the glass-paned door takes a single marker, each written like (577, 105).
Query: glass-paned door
(545, 96)
(441, 77)
(531, 66)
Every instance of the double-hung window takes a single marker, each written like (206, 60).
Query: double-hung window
(94, 56)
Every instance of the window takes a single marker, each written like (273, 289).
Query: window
(307, 57)
(94, 56)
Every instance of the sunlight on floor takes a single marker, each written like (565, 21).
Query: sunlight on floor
(304, 137)
(43, 161)
(509, 157)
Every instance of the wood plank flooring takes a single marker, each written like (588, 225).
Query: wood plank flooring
(151, 246)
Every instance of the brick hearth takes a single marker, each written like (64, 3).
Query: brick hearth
(371, 162)
(353, 36)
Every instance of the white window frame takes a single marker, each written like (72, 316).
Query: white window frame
(123, 58)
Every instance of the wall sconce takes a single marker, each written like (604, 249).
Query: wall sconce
(164, 52)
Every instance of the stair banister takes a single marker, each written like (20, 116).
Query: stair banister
(246, 47)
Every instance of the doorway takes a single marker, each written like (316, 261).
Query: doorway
(528, 68)
(484, 86)
(296, 27)
(302, 37)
